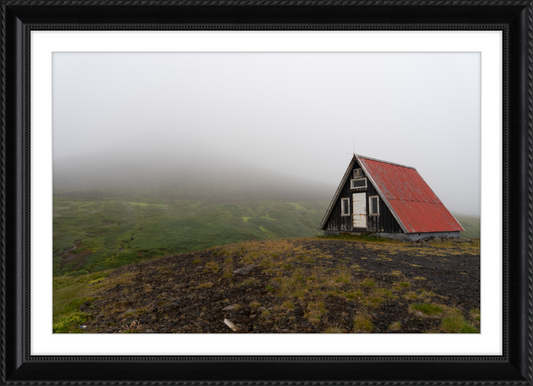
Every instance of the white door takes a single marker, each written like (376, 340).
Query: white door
(359, 210)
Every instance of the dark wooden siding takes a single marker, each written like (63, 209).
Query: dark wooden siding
(384, 222)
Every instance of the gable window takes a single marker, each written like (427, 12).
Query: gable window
(358, 183)
(345, 206)
(374, 205)
(357, 173)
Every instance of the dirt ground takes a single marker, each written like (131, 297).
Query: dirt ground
(296, 286)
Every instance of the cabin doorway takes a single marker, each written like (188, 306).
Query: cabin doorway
(359, 210)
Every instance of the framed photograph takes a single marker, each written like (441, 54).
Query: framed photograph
(266, 192)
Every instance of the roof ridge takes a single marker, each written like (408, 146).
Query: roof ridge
(386, 162)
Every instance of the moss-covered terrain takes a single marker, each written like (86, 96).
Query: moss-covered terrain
(345, 284)
(92, 235)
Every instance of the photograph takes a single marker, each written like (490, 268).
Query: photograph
(266, 192)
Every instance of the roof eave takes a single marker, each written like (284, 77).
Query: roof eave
(337, 194)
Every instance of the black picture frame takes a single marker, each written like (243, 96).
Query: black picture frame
(514, 18)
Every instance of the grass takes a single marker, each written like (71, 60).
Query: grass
(127, 229)
(368, 283)
(362, 323)
(411, 295)
(307, 288)
(288, 305)
(353, 295)
(396, 326)
(372, 301)
(375, 297)
(454, 322)
(362, 237)
(428, 309)
(70, 323)
(211, 266)
(315, 310)
(334, 330)
(70, 292)
(471, 224)
(250, 281)
(384, 293)
(311, 285)
(476, 316)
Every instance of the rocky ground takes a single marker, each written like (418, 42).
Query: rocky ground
(296, 286)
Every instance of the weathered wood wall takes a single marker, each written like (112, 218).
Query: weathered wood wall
(384, 222)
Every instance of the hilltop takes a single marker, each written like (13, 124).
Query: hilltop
(344, 284)
(93, 234)
(116, 209)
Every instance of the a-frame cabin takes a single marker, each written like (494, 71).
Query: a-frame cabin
(389, 199)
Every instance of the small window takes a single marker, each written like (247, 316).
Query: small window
(374, 205)
(345, 206)
(357, 173)
(359, 183)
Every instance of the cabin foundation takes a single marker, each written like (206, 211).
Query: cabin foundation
(418, 236)
(400, 236)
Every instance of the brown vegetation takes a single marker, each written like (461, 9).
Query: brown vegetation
(298, 285)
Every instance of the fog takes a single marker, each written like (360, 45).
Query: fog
(267, 119)
(176, 176)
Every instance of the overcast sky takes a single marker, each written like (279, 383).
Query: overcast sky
(300, 113)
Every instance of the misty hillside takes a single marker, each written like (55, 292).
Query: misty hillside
(471, 225)
(111, 210)
(180, 175)
(92, 235)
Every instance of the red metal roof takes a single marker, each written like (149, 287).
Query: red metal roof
(409, 197)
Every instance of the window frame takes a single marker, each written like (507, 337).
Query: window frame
(359, 173)
(358, 187)
(348, 204)
(370, 206)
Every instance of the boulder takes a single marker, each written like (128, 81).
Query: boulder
(244, 270)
